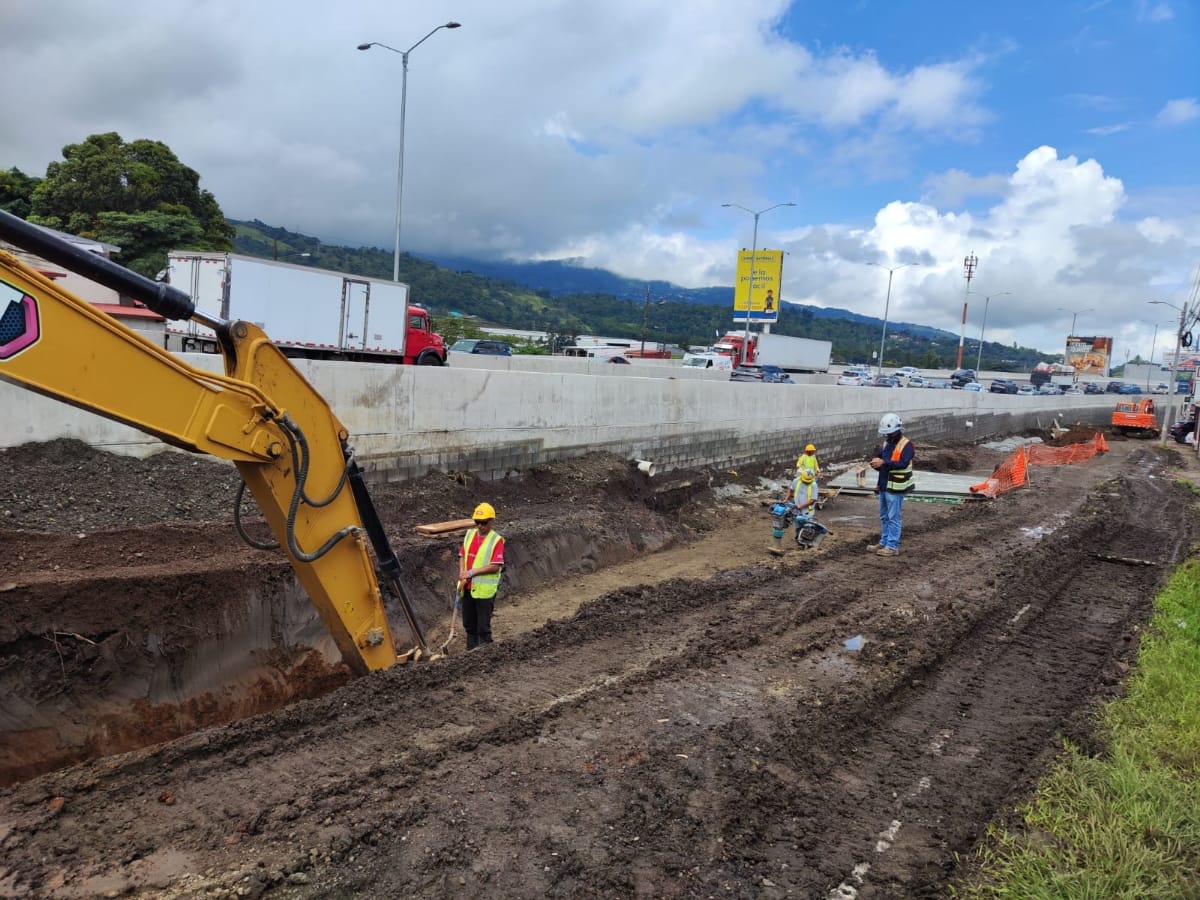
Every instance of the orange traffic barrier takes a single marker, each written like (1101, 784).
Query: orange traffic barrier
(1013, 472)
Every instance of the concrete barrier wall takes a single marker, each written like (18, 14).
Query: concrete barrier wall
(492, 420)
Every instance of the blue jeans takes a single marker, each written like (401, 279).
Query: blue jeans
(890, 518)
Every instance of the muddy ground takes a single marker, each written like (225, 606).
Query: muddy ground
(668, 710)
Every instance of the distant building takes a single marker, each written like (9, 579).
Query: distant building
(126, 310)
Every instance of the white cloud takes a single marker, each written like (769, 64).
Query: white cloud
(1105, 130)
(1176, 112)
(1055, 240)
(1154, 12)
(954, 187)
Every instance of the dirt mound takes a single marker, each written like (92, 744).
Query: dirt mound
(66, 485)
(948, 459)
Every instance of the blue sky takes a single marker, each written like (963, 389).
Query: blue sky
(1055, 140)
(1089, 78)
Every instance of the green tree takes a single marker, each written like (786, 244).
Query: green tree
(16, 192)
(145, 237)
(105, 188)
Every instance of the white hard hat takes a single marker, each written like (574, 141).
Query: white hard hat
(890, 424)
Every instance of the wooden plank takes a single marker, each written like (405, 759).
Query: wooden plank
(445, 527)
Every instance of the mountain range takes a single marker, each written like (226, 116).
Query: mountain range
(567, 297)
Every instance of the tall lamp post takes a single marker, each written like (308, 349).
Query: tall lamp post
(403, 101)
(1183, 320)
(753, 263)
(979, 355)
(1153, 347)
(887, 302)
(1074, 314)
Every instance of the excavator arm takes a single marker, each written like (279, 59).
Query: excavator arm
(290, 448)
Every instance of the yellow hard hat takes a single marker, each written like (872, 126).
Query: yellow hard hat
(806, 476)
(484, 511)
(810, 449)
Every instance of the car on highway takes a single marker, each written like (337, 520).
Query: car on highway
(916, 381)
(1161, 388)
(1002, 386)
(1113, 387)
(854, 376)
(1129, 389)
(904, 373)
(761, 375)
(1027, 390)
(1091, 387)
(1050, 390)
(618, 360)
(959, 377)
(481, 346)
(1074, 389)
(973, 386)
(938, 384)
(885, 381)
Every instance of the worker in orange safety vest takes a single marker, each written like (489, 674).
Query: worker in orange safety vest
(480, 564)
(893, 462)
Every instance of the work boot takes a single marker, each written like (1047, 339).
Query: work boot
(887, 551)
(874, 548)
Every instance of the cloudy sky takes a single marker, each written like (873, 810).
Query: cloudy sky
(1056, 141)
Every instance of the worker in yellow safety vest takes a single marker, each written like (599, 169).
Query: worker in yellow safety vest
(480, 563)
(804, 490)
(808, 461)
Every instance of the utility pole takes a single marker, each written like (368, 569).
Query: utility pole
(645, 319)
(1179, 333)
(969, 264)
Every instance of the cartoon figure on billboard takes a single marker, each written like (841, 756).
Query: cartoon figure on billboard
(769, 303)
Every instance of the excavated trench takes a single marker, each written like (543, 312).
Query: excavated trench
(114, 639)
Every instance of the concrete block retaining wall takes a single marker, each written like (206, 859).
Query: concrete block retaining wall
(408, 420)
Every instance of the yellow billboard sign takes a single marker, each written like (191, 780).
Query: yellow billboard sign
(758, 285)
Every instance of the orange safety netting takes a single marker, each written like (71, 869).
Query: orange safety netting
(1014, 471)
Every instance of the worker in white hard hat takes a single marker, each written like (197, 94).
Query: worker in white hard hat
(893, 462)
(480, 563)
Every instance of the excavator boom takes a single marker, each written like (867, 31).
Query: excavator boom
(290, 448)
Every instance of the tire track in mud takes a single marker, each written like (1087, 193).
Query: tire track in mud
(687, 739)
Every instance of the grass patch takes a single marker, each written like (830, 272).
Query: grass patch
(1125, 825)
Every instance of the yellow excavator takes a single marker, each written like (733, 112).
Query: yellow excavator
(289, 447)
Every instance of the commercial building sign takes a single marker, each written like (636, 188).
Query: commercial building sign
(1089, 355)
(759, 279)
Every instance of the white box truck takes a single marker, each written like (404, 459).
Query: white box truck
(309, 313)
(792, 354)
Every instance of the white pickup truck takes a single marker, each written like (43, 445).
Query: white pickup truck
(709, 360)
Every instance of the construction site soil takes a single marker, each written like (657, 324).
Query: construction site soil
(668, 710)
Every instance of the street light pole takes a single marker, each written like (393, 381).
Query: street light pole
(753, 263)
(1153, 347)
(1074, 313)
(886, 306)
(979, 355)
(403, 103)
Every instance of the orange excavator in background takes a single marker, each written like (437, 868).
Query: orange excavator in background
(1135, 417)
(289, 447)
